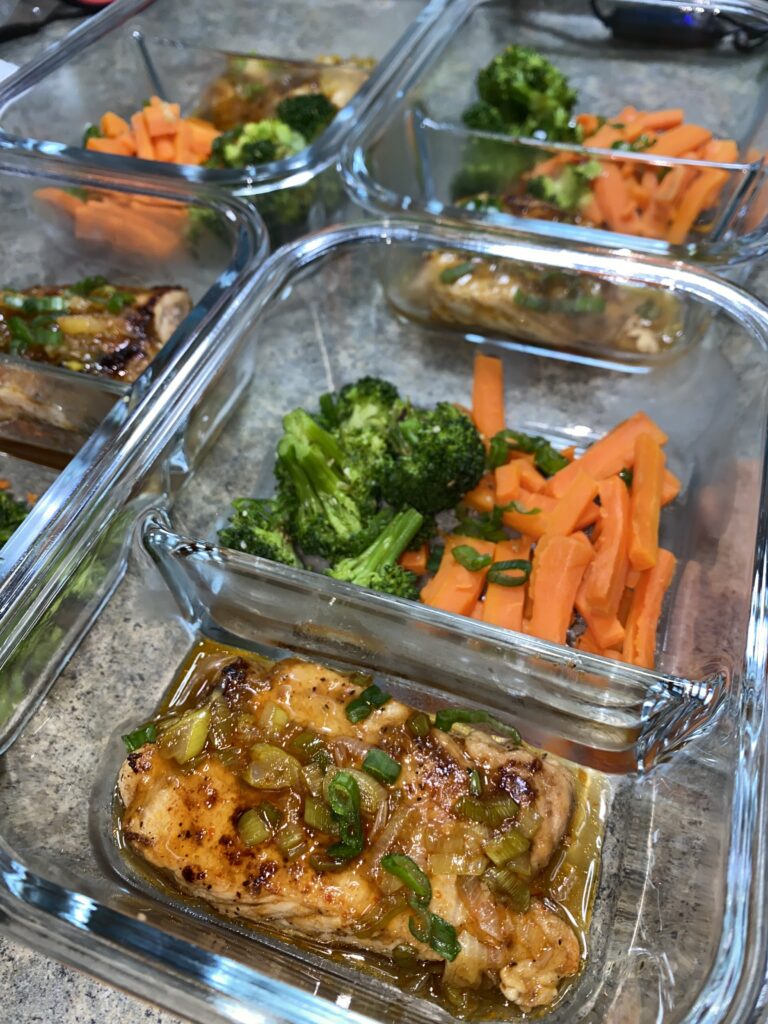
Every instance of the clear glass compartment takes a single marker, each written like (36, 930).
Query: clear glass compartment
(676, 934)
(413, 153)
(176, 49)
(55, 235)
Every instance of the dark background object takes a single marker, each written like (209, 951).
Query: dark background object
(22, 17)
(670, 26)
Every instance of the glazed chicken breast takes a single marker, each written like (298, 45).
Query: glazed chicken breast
(92, 326)
(244, 800)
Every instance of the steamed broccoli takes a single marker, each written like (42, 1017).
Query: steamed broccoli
(255, 143)
(308, 114)
(482, 117)
(259, 527)
(377, 568)
(530, 95)
(437, 456)
(12, 515)
(569, 188)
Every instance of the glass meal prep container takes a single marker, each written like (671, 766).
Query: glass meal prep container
(63, 227)
(414, 153)
(678, 753)
(181, 51)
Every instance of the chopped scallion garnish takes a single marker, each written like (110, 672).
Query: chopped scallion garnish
(370, 699)
(449, 717)
(381, 766)
(470, 559)
(137, 738)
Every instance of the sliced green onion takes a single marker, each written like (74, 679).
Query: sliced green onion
(471, 559)
(486, 812)
(272, 718)
(381, 766)
(515, 506)
(475, 783)
(528, 822)
(452, 274)
(510, 844)
(405, 955)
(307, 746)
(435, 557)
(321, 862)
(137, 738)
(434, 932)
(528, 300)
(88, 285)
(418, 724)
(520, 865)
(185, 738)
(372, 793)
(410, 874)
(21, 333)
(547, 458)
(381, 913)
(44, 304)
(448, 717)
(118, 301)
(269, 814)
(318, 815)
(272, 768)
(627, 476)
(47, 337)
(291, 840)
(371, 698)
(252, 829)
(344, 797)
(506, 883)
(499, 572)
(12, 300)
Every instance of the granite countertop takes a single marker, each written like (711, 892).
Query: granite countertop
(33, 988)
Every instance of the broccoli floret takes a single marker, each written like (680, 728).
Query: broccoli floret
(569, 188)
(308, 114)
(531, 95)
(488, 167)
(377, 568)
(367, 404)
(259, 527)
(255, 143)
(12, 515)
(437, 456)
(482, 117)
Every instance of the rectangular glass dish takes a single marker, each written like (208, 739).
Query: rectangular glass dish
(176, 49)
(414, 153)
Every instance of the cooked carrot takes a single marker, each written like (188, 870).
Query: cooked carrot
(530, 517)
(645, 611)
(670, 488)
(144, 147)
(675, 183)
(588, 122)
(504, 606)
(633, 578)
(569, 452)
(115, 147)
(416, 560)
(507, 481)
(654, 121)
(477, 611)
(612, 197)
(608, 456)
(161, 119)
(679, 140)
(113, 125)
(454, 588)
(697, 199)
(606, 629)
(164, 149)
(603, 138)
(60, 198)
(645, 501)
(5, 484)
(606, 578)
(488, 395)
(183, 153)
(574, 503)
(558, 567)
(627, 116)
(483, 497)
(721, 151)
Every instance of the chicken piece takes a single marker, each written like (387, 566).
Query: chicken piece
(561, 310)
(92, 327)
(183, 820)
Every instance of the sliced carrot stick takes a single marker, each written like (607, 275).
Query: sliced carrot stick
(645, 501)
(530, 518)
(113, 125)
(115, 147)
(483, 497)
(608, 456)
(679, 140)
(588, 642)
(603, 138)
(144, 147)
(569, 452)
(164, 149)
(565, 516)
(488, 395)
(477, 611)
(60, 198)
(670, 488)
(504, 606)
(607, 575)
(654, 121)
(633, 578)
(161, 119)
(645, 611)
(721, 151)
(698, 198)
(454, 588)
(588, 122)
(606, 629)
(559, 564)
(612, 197)
(416, 560)
(508, 481)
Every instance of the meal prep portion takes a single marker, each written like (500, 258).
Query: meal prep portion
(91, 326)
(449, 507)
(310, 802)
(523, 95)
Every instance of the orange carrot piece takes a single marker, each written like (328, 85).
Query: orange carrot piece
(183, 153)
(608, 456)
(144, 147)
(477, 611)
(161, 119)
(603, 138)
(527, 521)
(454, 588)
(611, 194)
(201, 137)
(670, 488)
(626, 116)
(654, 121)
(504, 606)
(569, 452)
(416, 560)
(645, 501)
(483, 497)
(679, 140)
(113, 125)
(507, 481)
(645, 611)
(559, 564)
(606, 629)
(588, 122)
(607, 575)
(60, 199)
(633, 578)
(701, 195)
(564, 517)
(122, 146)
(488, 395)
(721, 151)
(164, 149)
